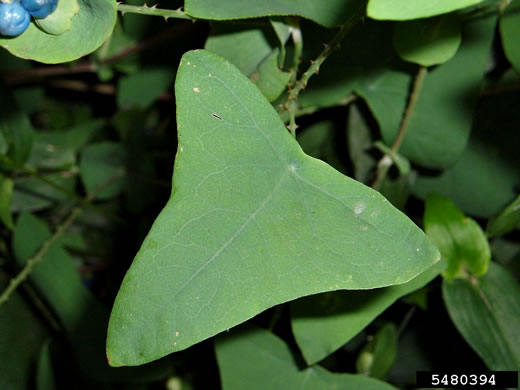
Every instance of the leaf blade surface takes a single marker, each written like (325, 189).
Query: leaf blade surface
(252, 222)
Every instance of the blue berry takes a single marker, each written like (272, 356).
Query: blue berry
(14, 18)
(40, 8)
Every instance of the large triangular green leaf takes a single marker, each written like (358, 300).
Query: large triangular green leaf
(252, 222)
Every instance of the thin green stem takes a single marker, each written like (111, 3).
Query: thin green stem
(386, 161)
(291, 103)
(145, 10)
(15, 282)
(24, 273)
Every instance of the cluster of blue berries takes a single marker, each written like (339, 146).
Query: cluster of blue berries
(15, 16)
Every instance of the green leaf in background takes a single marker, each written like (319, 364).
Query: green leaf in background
(84, 319)
(506, 252)
(48, 154)
(4, 147)
(329, 14)
(439, 128)
(413, 9)
(323, 323)
(359, 142)
(282, 31)
(21, 338)
(55, 274)
(486, 311)
(32, 194)
(252, 222)
(102, 169)
(319, 140)
(61, 19)
(119, 41)
(28, 98)
(510, 31)
(506, 221)
(428, 42)
(6, 194)
(45, 372)
(58, 149)
(16, 129)
(144, 87)
(398, 190)
(254, 49)
(244, 45)
(255, 359)
(489, 167)
(366, 64)
(91, 26)
(461, 241)
(378, 356)
(269, 78)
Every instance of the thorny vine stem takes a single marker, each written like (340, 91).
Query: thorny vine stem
(291, 104)
(24, 273)
(146, 10)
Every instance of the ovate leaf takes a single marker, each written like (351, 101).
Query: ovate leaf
(330, 13)
(461, 241)
(253, 358)
(428, 42)
(414, 9)
(486, 311)
(91, 26)
(252, 222)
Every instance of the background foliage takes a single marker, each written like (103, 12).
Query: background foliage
(319, 281)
